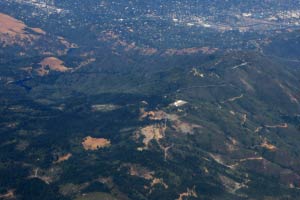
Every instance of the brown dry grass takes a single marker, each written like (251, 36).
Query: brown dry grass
(63, 158)
(9, 195)
(153, 115)
(51, 63)
(42, 71)
(54, 64)
(13, 31)
(38, 30)
(157, 181)
(10, 25)
(16, 32)
(90, 143)
(188, 193)
(178, 125)
(151, 132)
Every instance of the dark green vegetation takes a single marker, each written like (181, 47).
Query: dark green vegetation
(237, 137)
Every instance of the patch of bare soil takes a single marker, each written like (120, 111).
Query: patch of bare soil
(10, 194)
(268, 146)
(90, 143)
(153, 115)
(63, 158)
(156, 181)
(177, 124)
(151, 132)
(156, 132)
(51, 64)
(159, 181)
(188, 193)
